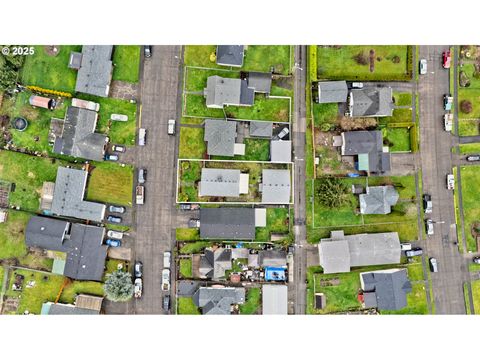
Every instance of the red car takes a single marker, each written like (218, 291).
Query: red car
(446, 59)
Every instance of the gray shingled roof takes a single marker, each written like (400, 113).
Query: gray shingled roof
(378, 200)
(220, 137)
(369, 143)
(69, 193)
(281, 151)
(390, 288)
(332, 92)
(227, 223)
(218, 300)
(221, 92)
(95, 72)
(261, 129)
(230, 55)
(276, 186)
(65, 309)
(358, 250)
(79, 138)
(261, 82)
(274, 299)
(220, 182)
(371, 102)
(214, 263)
(46, 233)
(272, 258)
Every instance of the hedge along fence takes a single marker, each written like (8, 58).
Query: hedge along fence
(37, 89)
(312, 51)
(413, 132)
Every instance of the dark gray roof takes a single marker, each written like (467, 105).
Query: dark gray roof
(332, 92)
(218, 300)
(215, 262)
(69, 193)
(227, 223)
(64, 309)
(79, 138)
(272, 258)
(186, 288)
(378, 200)
(371, 102)
(220, 137)
(390, 288)
(340, 252)
(369, 143)
(281, 151)
(220, 182)
(46, 233)
(230, 55)
(261, 129)
(225, 91)
(276, 186)
(261, 82)
(95, 72)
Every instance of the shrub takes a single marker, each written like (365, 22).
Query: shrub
(361, 58)
(332, 192)
(466, 106)
(396, 59)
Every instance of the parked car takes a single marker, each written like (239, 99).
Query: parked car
(116, 209)
(138, 288)
(473, 158)
(166, 303)
(194, 223)
(137, 269)
(142, 176)
(166, 280)
(115, 234)
(414, 252)
(111, 157)
(429, 226)
(114, 219)
(357, 85)
(167, 255)
(142, 136)
(147, 50)
(448, 122)
(171, 127)
(476, 259)
(446, 59)
(433, 264)
(283, 133)
(447, 102)
(185, 206)
(427, 203)
(405, 246)
(423, 66)
(113, 242)
(450, 182)
(119, 148)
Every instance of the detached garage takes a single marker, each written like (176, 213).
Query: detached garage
(274, 300)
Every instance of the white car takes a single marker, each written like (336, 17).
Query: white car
(138, 288)
(171, 127)
(429, 226)
(423, 66)
(357, 85)
(167, 255)
(115, 234)
(405, 246)
(142, 136)
(450, 182)
(166, 280)
(118, 117)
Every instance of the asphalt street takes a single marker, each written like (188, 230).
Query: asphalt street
(436, 162)
(156, 219)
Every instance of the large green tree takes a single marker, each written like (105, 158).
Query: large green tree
(10, 65)
(332, 192)
(118, 286)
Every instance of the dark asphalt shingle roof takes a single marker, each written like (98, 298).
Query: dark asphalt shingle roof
(227, 223)
(46, 233)
(261, 129)
(378, 200)
(218, 300)
(226, 91)
(220, 137)
(332, 92)
(230, 55)
(261, 82)
(371, 102)
(214, 263)
(369, 143)
(95, 72)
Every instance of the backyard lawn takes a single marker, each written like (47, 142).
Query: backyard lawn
(186, 268)
(194, 247)
(255, 149)
(12, 235)
(252, 303)
(470, 178)
(403, 98)
(126, 59)
(192, 145)
(80, 287)
(277, 222)
(468, 127)
(398, 139)
(186, 306)
(469, 70)
(389, 62)
(187, 234)
(111, 183)
(470, 148)
(325, 115)
(50, 72)
(476, 295)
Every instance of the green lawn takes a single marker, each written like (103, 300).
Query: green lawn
(403, 98)
(470, 148)
(325, 115)
(187, 234)
(28, 173)
(255, 149)
(472, 267)
(12, 235)
(50, 72)
(472, 95)
(468, 127)
(339, 63)
(80, 287)
(471, 197)
(277, 222)
(399, 139)
(111, 183)
(469, 70)
(476, 295)
(399, 116)
(192, 145)
(416, 302)
(415, 271)
(196, 79)
(186, 268)
(194, 247)
(126, 59)
(252, 303)
(186, 306)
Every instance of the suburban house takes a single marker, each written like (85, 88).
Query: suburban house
(78, 137)
(215, 262)
(332, 92)
(94, 65)
(218, 300)
(369, 102)
(68, 196)
(274, 299)
(340, 252)
(223, 183)
(385, 289)
(281, 151)
(275, 186)
(367, 147)
(220, 137)
(82, 245)
(230, 55)
(222, 92)
(231, 223)
(84, 305)
(260, 81)
(378, 200)
(261, 129)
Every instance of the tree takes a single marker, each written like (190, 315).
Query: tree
(118, 286)
(361, 58)
(332, 192)
(466, 106)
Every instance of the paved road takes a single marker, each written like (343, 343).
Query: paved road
(155, 220)
(436, 161)
(299, 129)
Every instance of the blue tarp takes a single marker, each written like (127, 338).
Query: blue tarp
(275, 274)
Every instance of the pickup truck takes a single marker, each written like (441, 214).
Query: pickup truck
(139, 194)
(447, 102)
(450, 182)
(448, 122)
(166, 280)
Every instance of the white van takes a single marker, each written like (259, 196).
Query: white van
(166, 259)
(142, 136)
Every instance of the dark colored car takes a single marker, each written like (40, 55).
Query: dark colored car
(114, 219)
(138, 269)
(427, 203)
(414, 252)
(166, 302)
(116, 209)
(473, 158)
(113, 242)
(147, 51)
(433, 264)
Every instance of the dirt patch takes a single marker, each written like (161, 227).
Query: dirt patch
(52, 50)
(330, 282)
(372, 60)
(283, 115)
(349, 124)
(123, 90)
(29, 113)
(10, 305)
